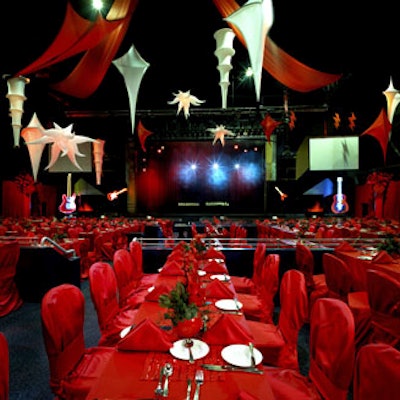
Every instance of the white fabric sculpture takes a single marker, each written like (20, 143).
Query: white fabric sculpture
(254, 20)
(219, 133)
(16, 97)
(30, 133)
(393, 99)
(224, 51)
(184, 101)
(132, 67)
(63, 141)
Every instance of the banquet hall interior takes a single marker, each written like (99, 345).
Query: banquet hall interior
(215, 134)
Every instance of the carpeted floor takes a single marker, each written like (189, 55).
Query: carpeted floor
(29, 371)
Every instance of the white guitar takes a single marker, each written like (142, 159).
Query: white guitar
(339, 204)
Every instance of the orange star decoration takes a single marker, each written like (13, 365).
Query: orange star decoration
(292, 120)
(143, 133)
(352, 120)
(336, 120)
(269, 125)
(219, 133)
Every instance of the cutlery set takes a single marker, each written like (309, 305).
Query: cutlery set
(167, 370)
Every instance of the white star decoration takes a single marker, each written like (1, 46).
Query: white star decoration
(63, 141)
(219, 134)
(184, 100)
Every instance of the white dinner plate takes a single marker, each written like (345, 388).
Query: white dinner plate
(368, 258)
(201, 273)
(228, 305)
(221, 277)
(239, 355)
(199, 349)
(218, 260)
(371, 248)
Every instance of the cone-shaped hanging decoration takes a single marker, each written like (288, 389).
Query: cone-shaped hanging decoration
(16, 97)
(393, 100)
(98, 153)
(254, 20)
(132, 67)
(224, 52)
(32, 132)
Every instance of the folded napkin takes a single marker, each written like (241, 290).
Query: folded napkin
(383, 257)
(172, 267)
(146, 336)
(345, 246)
(227, 330)
(158, 290)
(215, 267)
(219, 290)
(212, 252)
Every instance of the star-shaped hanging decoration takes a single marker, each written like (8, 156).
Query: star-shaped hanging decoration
(269, 125)
(219, 133)
(185, 100)
(63, 141)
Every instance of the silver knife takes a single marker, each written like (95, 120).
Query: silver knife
(189, 389)
(252, 358)
(231, 368)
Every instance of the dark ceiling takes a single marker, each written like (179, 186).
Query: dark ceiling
(176, 39)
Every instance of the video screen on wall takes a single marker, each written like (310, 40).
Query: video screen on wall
(334, 153)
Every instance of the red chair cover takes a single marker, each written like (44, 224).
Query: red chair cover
(104, 293)
(136, 252)
(260, 307)
(130, 290)
(332, 352)
(339, 280)
(278, 344)
(384, 299)
(337, 275)
(332, 348)
(10, 299)
(73, 367)
(377, 373)
(316, 284)
(244, 284)
(4, 368)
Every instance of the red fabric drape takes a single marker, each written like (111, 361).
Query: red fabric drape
(90, 71)
(75, 36)
(10, 299)
(283, 67)
(380, 130)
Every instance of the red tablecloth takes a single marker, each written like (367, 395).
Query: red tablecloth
(134, 375)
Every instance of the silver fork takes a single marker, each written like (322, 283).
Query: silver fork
(199, 379)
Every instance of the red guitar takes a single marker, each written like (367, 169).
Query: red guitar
(68, 205)
(114, 195)
(339, 204)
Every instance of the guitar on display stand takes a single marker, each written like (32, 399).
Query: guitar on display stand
(339, 204)
(114, 195)
(68, 205)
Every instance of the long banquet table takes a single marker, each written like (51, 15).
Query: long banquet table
(135, 374)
